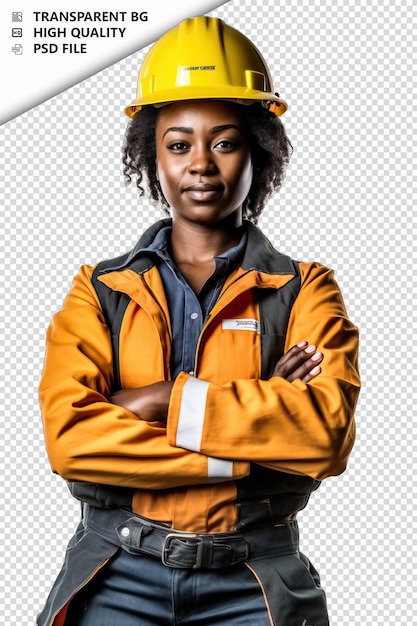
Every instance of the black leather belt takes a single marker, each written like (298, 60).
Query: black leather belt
(191, 550)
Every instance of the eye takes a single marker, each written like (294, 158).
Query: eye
(177, 146)
(225, 145)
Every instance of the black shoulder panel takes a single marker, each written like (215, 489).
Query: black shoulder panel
(275, 308)
(113, 305)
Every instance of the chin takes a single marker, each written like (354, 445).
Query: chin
(204, 212)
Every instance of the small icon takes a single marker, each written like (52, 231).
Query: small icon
(17, 16)
(17, 49)
(17, 32)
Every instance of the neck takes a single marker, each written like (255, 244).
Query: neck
(196, 243)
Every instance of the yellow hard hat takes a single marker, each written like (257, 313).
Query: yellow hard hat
(204, 58)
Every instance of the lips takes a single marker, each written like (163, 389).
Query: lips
(203, 192)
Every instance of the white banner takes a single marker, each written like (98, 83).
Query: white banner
(45, 50)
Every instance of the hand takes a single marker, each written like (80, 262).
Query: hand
(301, 361)
(149, 403)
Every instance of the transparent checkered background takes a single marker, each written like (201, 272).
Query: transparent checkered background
(346, 70)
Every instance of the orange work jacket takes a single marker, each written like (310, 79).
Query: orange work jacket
(232, 438)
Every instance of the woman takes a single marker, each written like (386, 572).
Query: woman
(198, 389)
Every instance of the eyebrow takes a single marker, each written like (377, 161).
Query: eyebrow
(190, 131)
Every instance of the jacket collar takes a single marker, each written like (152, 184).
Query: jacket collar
(259, 254)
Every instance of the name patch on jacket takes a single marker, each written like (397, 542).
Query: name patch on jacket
(241, 324)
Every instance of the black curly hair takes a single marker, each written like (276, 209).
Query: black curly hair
(268, 141)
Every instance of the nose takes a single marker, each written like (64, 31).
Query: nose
(202, 162)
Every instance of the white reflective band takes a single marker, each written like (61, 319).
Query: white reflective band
(219, 468)
(241, 324)
(191, 417)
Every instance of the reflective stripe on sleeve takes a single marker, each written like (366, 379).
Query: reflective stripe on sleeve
(191, 416)
(220, 468)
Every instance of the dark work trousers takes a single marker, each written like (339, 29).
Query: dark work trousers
(124, 570)
(138, 590)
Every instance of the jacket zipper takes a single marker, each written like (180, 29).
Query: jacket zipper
(210, 318)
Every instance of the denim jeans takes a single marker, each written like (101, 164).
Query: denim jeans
(138, 590)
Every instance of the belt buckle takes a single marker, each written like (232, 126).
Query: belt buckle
(187, 536)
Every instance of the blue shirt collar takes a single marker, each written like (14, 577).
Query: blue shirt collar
(161, 244)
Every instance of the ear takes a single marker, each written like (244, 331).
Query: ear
(156, 170)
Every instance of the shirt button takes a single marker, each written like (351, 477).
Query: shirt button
(125, 532)
(194, 316)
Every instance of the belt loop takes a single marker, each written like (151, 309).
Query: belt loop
(130, 535)
(207, 551)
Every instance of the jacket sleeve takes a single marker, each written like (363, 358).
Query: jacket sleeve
(87, 437)
(292, 427)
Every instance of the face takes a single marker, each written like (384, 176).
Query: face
(203, 161)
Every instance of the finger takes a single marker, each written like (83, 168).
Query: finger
(312, 374)
(307, 370)
(292, 359)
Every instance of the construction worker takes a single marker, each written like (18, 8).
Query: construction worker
(198, 389)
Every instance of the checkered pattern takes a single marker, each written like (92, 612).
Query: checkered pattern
(345, 69)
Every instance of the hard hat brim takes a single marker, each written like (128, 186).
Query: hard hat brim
(271, 100)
